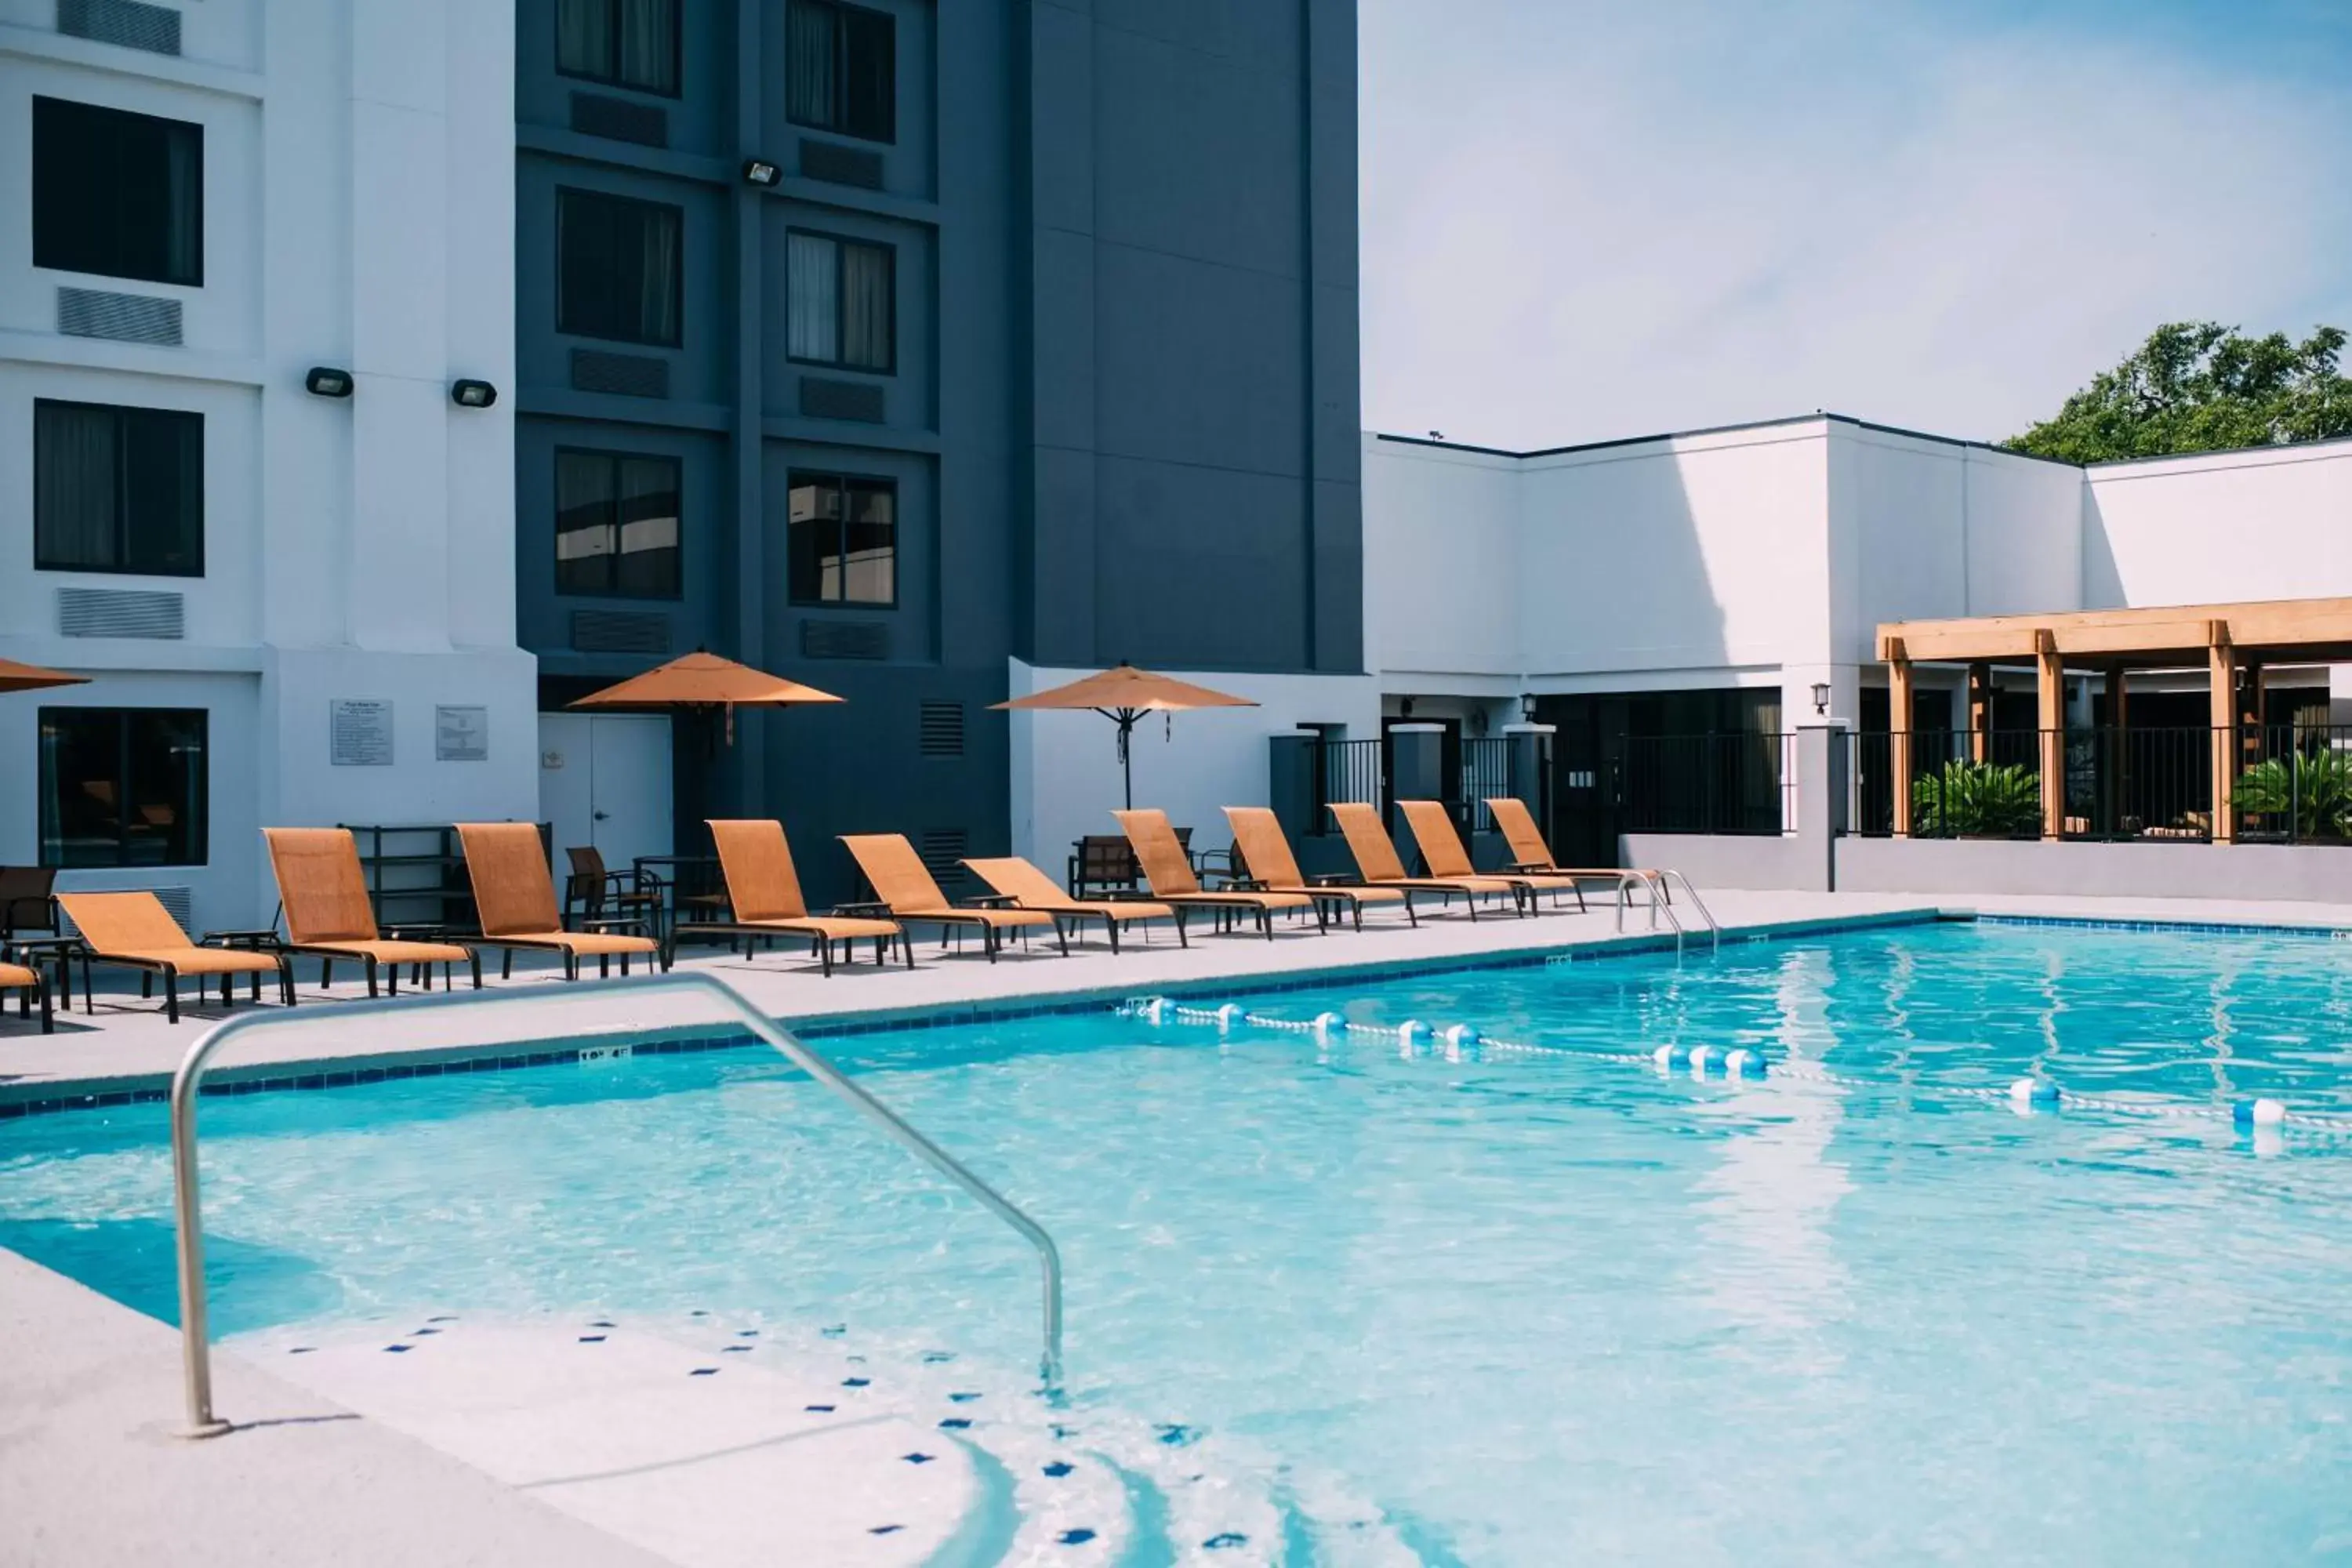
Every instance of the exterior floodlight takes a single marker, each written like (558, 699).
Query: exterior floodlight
(328, 382)
(1822, 698)
(473, 393)
(759, 172)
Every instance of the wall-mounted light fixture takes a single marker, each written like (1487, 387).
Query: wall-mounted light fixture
(473, 393)
(1527, 707)
(326, 381)
(759, 172)
(1822, 698)
(1404, 708)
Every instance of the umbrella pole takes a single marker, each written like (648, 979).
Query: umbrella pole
(1127, 755)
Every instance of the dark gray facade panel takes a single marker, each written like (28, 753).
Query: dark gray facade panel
(1200, 568)
(1198, 363)
(1261, 33)
(1339, 567)
(1061, 345)
(1062, 588)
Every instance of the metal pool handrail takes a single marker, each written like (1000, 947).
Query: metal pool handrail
(195, 1343)
(1659, 886)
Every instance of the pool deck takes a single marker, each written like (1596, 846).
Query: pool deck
(127, 1048)
(89, 1390)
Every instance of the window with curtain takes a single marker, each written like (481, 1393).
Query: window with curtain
(124, 786)
(118, 489)
(841, 304)
(619, 271)
(116, 193)
(617, 525)
(841, 67)
(623, 43)
(843, 540)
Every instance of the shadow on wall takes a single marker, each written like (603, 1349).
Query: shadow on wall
(2103, 578)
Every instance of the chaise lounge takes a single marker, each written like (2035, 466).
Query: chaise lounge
(328, 914)
(1266, 850)
(514, 901)
(763, 890)
(1167, 872)
(1024, 887)
(1442, 853)
(134, 930)
(905, 887)
(1530, 853)
(32, 988)
(1377, 859)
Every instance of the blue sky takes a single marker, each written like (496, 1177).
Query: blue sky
(1584, 219)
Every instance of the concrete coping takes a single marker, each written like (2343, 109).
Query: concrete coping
(1416, 728)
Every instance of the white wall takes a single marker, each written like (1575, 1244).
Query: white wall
(359, 176)
(2269, 524)
(1442, 549)
(1065, 775)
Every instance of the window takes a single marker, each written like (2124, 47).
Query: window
(618, 273)
(628, 43)
(844, 540)
(842, 69)
(616, 525)
(116, 193)
(118, 489)
(841, 301)
(122, 787)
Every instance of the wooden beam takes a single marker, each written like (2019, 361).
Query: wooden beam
(2221, 675)
(2049, 711)
(1979, 712)
(1899, 721)
(2279, 624)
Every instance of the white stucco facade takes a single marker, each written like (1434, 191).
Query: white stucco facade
(1768, 555)
(357, 213)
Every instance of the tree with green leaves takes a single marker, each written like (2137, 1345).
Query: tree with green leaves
(2199, 386)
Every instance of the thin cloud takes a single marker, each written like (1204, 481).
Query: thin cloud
(1580, 224)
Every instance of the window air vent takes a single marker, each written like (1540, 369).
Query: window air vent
(824, 399)
(619, 631)
(943, 850)
(178, 901)
(844, 639)
(129, 317)
(618, 119)
(154, 29)
(840, 165)
(630, 375)
(122, 613)
(942, 733)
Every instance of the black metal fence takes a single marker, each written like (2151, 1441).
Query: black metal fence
(2289, 782)
(1733, 782)
(1348, 771)
(1486, 773)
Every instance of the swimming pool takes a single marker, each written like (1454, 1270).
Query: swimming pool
(1538, 1306)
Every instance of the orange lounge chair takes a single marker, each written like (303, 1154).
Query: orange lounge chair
(514, 900)
(1167, 872)
(1027, 887)
(1377, 857)
(28, 982)
(764, 892)
(1266, 850)
(904, 885)
(328, 913)
(1442, 853)
(1530, 853)
(134, 930)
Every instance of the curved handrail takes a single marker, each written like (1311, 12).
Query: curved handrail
(195, 1342)
(1669, 876)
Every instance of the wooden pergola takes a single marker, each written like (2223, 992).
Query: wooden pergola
(2232, 643)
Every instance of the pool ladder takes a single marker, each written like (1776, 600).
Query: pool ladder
(194, 1336)
(1659, 886)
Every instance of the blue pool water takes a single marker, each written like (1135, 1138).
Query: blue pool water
(1540, 1308)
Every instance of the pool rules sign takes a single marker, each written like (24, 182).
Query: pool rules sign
(359, 733)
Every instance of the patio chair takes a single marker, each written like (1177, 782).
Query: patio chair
(328, 914)
(765, 893)
(905, 887)
(30, 988)
(1530, 853)
(1106, 862)
(134, 930)
(1024, 887)
(1259, 840)
(514, 896)
(591, 890)
(25, 902)
(1444, 855)
(1168, 871)
(1377, 859)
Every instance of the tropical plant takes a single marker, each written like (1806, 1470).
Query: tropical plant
(1976, 800)
(2312, 788)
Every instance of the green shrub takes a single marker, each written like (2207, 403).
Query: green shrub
(2312, 787)
(1976, 800)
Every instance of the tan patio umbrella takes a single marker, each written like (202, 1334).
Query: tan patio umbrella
(15, 677)
(1124, 694)
(703, 680)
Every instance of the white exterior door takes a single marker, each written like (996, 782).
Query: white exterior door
(605, 779)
